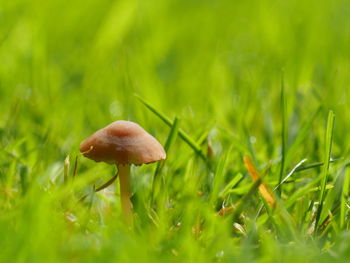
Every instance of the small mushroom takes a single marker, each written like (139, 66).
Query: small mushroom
(123, 143)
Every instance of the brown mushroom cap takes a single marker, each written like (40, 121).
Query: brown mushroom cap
(122, 142)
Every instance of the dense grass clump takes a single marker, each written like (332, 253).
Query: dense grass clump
(249, 98)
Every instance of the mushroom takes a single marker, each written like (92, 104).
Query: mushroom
(123, 143)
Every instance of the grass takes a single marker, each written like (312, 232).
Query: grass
(327, 157)
(255, 172)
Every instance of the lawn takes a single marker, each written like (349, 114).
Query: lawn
(250, 100)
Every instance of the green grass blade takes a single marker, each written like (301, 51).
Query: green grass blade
(219, 176)
(283, 135)
(344, 197)
(203, 138)
(23, 173)
(184, 136)
(172, 134)
(235, 180)
(290, 173)
(301, 192)
(307, 188)
(313, 165)
(244, 200)
(301, 136)
(249, 144)
(327, 156)
(170, 140)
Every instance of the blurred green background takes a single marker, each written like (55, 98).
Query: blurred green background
(68, 68)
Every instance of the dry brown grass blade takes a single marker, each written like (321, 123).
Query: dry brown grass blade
(265, 192)
(226, 210)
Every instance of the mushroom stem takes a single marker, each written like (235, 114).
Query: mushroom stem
(125, 193)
